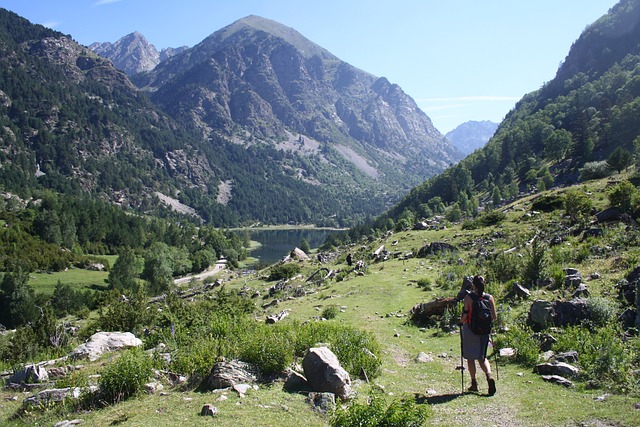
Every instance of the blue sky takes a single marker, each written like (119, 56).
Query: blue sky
(459, 59)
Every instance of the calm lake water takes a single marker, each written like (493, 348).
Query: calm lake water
(276, 244)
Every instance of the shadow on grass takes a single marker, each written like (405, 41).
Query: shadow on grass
(441, 398)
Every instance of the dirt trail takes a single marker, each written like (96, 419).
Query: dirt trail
(218, 267)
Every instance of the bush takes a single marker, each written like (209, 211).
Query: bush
(604, 358)
(283, 271)
(330, 312)
(595, 170)
(424, 284)
(601, 311)
(375, 413)
(125, 377)
(520, 338)
(271, 349)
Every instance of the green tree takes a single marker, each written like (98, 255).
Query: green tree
(126, 271)
(535, 264)
(624, 196)
(577, 206)
(18, 299)
(304, 245)
(619, 159)
(158, 271)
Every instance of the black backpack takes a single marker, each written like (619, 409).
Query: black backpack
(481, 318)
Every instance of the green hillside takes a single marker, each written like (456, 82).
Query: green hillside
(377, 303)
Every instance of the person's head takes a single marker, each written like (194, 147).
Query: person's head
(478, 285)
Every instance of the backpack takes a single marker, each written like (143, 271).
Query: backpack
(481, 318)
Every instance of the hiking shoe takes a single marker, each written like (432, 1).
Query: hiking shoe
(474, 386)
(492, 386)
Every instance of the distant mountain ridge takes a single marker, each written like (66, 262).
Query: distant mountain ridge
(258, 80)
(253, 129)
(471, 135)
(133, 53)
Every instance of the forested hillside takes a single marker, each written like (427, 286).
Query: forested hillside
(583, 124)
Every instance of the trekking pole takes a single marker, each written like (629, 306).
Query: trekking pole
(461, 358)
(495, 357)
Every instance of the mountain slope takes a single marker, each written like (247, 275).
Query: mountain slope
(471, 135)
(558, 134)
(257, 81)
(133, 53)
(71, 122)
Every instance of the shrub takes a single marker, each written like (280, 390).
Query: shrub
(604, 358)
(271, 349)
(520, 338)
(424, 283)
(375, 412)
(283, 271)
(504, 267)
(330, 312)
(595, 170)
(125, 377)
(601, 311)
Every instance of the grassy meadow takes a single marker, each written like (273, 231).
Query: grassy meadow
(379, 302)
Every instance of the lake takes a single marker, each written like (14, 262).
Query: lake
(277, 243)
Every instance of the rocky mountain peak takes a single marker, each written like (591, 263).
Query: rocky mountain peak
(131, 54)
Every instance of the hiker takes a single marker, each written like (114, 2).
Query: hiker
(475, 342)
(349, 260)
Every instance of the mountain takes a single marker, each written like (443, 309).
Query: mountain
(276, 148)
(71, 122)
(582, 124)
(259, 82)
(471, 135)
(133, 53)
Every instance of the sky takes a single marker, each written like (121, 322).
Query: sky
(460, 60)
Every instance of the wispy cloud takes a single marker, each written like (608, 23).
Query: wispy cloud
(102, 2)
(51, 24)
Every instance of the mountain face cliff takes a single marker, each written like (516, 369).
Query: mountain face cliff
(133, 53)
(471, 135)
(257, 81)
(254, 124)
(562, 133)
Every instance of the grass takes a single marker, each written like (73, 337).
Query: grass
(379, 302)
(79, 279)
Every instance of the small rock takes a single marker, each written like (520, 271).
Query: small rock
(209, 409)
(67, 423)
(602, 398)
(423, 357)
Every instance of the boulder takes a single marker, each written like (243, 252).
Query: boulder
(570, 312)
(29, 374)
(226, 374)
(421, 314)
(556, 368)
(104, 342)
(556, 379)
(436, 248)
(55, 395)
(581, 291)
(296, 382)
(324, 403)
(208, 410)
(324, 373)
(299, 254)
(520, 291)
(68, 423)
(541, 314)
(567, 357)
(572, 280)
